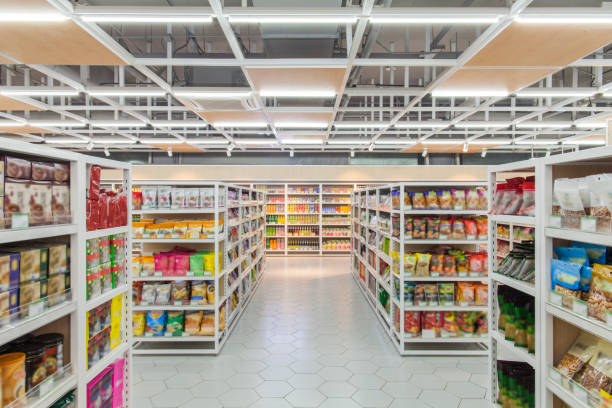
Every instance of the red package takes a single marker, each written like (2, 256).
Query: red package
(123, 209)
(485, 263)
(482, 227)
(94, 182)
(113, 211)
(471, 231)
(465, 293)
(136, 199)
(412, 323)
(161, 263)
(103, 211)
(88, 214)
(450, 328)
(476, 266)
(449, 267)
(432, 321)
(94, 215)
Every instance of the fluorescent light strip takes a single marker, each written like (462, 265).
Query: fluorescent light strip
(211, 94)
(66, 141)
(434, 20)
(161, 141)
(32, 17)
(599, 142)
(255, 142)
(38, 91)
(490, 142)
(11, 123)
(126, 92)
(57, 123)
(115, 18)
(419, 125)
(554, 93)
(479, 124)
(302, 141)
(536, 142)
(292, 19)
(564, 19)
(240, 124)
(442, 142)
(357, 125)
(179, 123)
(348, 142)
(114, 141)
(397, 142)
(460, 93)
(117, 123)
(301, 125)
(550, 125)
(599, 125)
(298, 93)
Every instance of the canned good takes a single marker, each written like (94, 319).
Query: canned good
(54, 351)
(35, 364)
(12, 367)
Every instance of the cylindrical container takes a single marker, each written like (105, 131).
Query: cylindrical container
(54, 351)
(12, 367)
(35, 364)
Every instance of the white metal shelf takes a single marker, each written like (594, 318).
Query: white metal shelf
(564, 394)
(519, 353)
(174, 308)
(581, 236)
(446, 308)
(160, 339)
(175, 241)
(446, 241)
(513, 219)
(458, 339)
(445, 212)
(445, 279)
(61, 388)
(525, 287)
(171, 278)
(46, 231)
(170, 211)
(588, 324)
(113, 355)
(107, 296)
(19, 328)
(105, 232)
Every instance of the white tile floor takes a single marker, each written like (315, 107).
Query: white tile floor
(309, 339)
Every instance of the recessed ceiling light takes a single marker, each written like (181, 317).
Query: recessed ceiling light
(323, 19)
(118, 18)
(117, 123)
(37, 91)
(357, 125)
(415, 19)
(211, 93)
(298, 93)
(133, 91)
(301, 125)
(472, 93)
(32, 17)
(11, 123)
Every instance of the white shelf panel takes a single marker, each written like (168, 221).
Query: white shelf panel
(170, 278)
(445, 212)
(565, 395)
(519, 353)
(113, 355)
(445, 241)
(17, 329)
(513, 219)
(26, 234)
(447, 308)
(581, 236)
(172, 307)
(475, 339)
(174, 339)
(163, 211)
(445, 279)
(105, 297)
(590, 325)
(60, 389)
(105, 232)
(176, 241)
(525, 287)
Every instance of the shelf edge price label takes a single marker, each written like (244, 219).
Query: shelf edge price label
(579, 307)
(580, 393)
(19, 220)
(556, 298)
(555, 221)
(609, 318)
(555, 375)
(588, 224)
(45, 387)
(428, 334)
(36, 308)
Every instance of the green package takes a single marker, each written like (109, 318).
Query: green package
(175, 323)
(446, 293)
(196, 263)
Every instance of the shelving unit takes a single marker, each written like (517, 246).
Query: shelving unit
(370, 262)
(69, 315)
(500, 348)
(560, 324)
(241, 212)
(322, 200)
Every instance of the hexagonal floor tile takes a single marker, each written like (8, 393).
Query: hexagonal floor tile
(273, 389)
(464, 389)
(157, 373)
(238, 398)
(305, 381)
(372, 398)
(217, 373)
(249, 366)
(305, 398)
(401, 390)
(171, 398)
(270, 403)
(367, 381)
(335, 373)
(474, 403)
(148, 388)
(202, 402)
(305, 367)
(439, 398)
(452, 374)
(339, 403)
(362, 367)
(276, 373)
(181, 381)
(428, 381)
(209, 389)
(412, 403)
(394, 374)
(254, 354)
(480, 379)
(244, 380)
(141, 402)
(337, 389)
(283, 359)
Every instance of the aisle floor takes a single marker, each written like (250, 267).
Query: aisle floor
(309, 339)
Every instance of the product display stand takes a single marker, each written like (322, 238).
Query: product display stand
(69, 315)
(561, 323)
(304, 219)
(500, 348)
(238, 215)
(378, 265)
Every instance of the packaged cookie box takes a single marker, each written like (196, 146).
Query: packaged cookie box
(9, 305)
(33, 263)
(17, 168)
(9, 271)
(16, 198)
(60, 202)
(29, 292)
(41, 199)
(57, 258)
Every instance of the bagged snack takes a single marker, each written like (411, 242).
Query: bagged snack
(465, 293)
(565, 279)
(207, 197)
(450, 328)
(433, 228)
(458, 231)
(409, 293)
(149, 293)
(458, 199)
(179, 230)
(482, 227)
(148, 265)
(180, 292)
(193, 320)
(528, 205)
(192, 197)
(466, 320)
(471, 231)
(175, 323)
(138, 324)
(600, 292)
(198, 292)
(431, 294)
(432, 321)
(445, 229)
(162, 296)
(578, 355)
(408, 227)
(410, 264)
(210, 293)
(419, 228)
(412, 323)
(422, 267)
(483, 198)
(418, 201)
(446, 293)
(567, 193)
(462, 265)
(449, 268)
(431, 200)
(156, 323)
(595, 253)
(482, 326)
(419, 294)
(407, 200)
(436, 265)
(481, 295)
(445, 199)
(207, 328)
(177, 195)
(164, 199)
(149, 197)
(574, 255)
(598, 373)
(472, 200)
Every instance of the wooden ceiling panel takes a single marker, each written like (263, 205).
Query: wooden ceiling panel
(248, 116)
(177, 148)
(449, 148)
(539, 45)
(24, 129)
(301, 116)
(291, 78)
(503, 79)
(9, 104)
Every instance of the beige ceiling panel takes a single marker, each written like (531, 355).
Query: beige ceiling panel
(177, 148)
(502, 79)
(24, 129)
(291, 78)
(289, 136)
(449, 148)
(301, 117)
(53, 43)
(9, 104)
(542, 44)
(245, 117)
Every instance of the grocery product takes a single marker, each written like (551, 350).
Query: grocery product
(12, 366)
(515, 384)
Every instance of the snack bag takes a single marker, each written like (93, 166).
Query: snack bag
(410, 264)
(445, 229)
(163, 292)
(565, 279)
(419, 228)
(483, 198)
(419, 294)
(418, 201)
(175, 323)
(163, 196)
(138, 324)
(412, 323)
(431, 200)
(177, 195)
(598, 373)
(432, 322)
(446, 199)
(471, 230)
(481, 294)
(462, 264)
(422, 267)
(198, 292)
(458, 231)
(458, 202)
(433, 228)
(578, 355)
(408, 227)
(600, 292)
(447, 294)
(465, 293)
(431, 294)
(436, 265)
(465, 320)
(156, 323)
(449, 267)
(450, 328)
(482, 227)
(193, 320)
(409, 293)
(482, 326)
(472, 200)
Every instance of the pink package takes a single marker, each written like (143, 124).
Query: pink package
(94, 392)
(161, 263)
(118, 375)
(181, 264)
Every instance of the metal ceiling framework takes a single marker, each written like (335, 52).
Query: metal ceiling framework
(74, 110)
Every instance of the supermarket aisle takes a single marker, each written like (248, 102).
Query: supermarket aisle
(308, 339)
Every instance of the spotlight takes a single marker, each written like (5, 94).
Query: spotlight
(291, 153)
(170, 152)
(229, 153)
(90, 145)
(352, 153)
(371, 147)
(484, 152)
(231, 147)
(106, 152)
(548, 153)
(424, 152)
(465, 147)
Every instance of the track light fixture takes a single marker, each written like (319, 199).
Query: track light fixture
(371, 147)
(352, 153)
(106, 152)
(484, 152)
(229, 153)
(290, 153)
(90, 145)
(170, 152)
(424, 152)
(465, 147)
